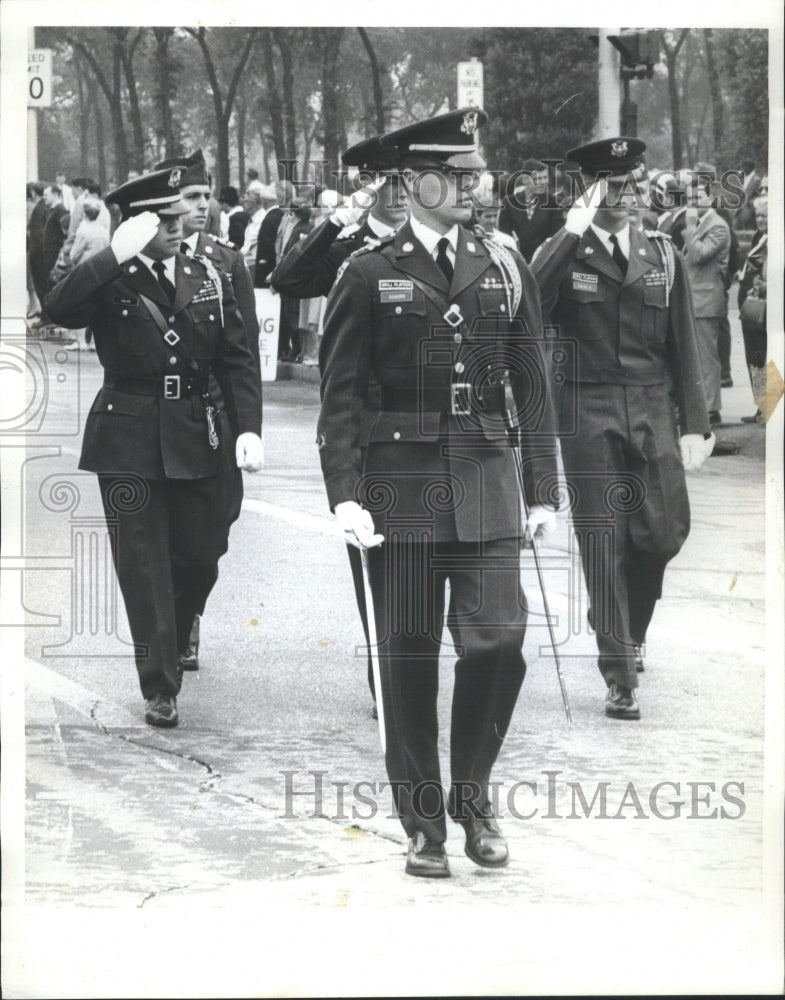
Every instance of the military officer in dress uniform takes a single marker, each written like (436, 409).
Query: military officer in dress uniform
(195, 187)
(622, 295)
(310, 267)
(438, 315)
(165, 326)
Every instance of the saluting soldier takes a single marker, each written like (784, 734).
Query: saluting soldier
(437, 314)
(195, 187)
(622, 295)
(164, 326)
(309, 269)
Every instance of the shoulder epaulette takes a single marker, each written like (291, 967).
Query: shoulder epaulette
(348, 231)
(224, 243)
(657, 234)
(368, 247)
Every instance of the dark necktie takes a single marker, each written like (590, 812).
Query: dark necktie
(618, 257)
(442, 259)
(163, 281)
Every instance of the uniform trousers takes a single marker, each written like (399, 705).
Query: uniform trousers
(630, 508)
(487, 619)
(708, 330)
(170, 534)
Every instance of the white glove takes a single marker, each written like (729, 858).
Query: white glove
(360, 203)
(695, 449)
(357, 524)
(541, 522)
(249, 452)
(580, 216)
(133, 235)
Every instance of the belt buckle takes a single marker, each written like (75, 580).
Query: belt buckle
(460, 399)
(171, 386)
(454, 316)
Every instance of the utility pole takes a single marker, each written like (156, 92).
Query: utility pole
(609, 85)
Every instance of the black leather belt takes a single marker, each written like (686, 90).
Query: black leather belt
(458, 399)
(165, 386)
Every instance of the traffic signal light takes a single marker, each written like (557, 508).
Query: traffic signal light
(640, 52)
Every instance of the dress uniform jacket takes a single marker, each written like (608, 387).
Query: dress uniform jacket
(132, 427)
(309, 269)
(232, 263)
(413, 460)
(628, 330)
(633, 362)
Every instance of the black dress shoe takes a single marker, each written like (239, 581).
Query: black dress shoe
(756, 418)
(426, 858)
(621, 703)
(161, 710)
(640, 666)
(726, 382)
(189, 658)
(485, 845)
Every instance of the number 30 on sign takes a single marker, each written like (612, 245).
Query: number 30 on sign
(39, 78)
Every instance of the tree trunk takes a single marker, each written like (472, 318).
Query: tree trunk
(273, 97)
(283, 42)
(332, 124)
(127, 61)
(376, 80)
(718, 155)
(162, 93)
(223, 106)
(84, 115)
(241, 117)
(671, 52)
(115, 107)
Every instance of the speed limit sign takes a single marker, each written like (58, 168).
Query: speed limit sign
(39, 78)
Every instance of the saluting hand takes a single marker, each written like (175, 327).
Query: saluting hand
(583, 210)
(133, 235)
(249, 452)
(360, 203)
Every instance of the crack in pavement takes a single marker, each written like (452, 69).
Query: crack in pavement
(211, 783)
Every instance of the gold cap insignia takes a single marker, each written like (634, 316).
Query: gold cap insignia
(174, 178)
(619, 148)
(469, 125)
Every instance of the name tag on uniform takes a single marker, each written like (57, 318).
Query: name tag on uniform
(396, 290)
(654, 278)
(584, 282)
(120, 300)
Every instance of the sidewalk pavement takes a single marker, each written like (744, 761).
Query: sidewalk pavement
(243, 900)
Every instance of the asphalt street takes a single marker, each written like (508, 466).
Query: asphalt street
(252, 851)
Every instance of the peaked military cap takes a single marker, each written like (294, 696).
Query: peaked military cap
(621, 155)
(193, 167)
(158, 191)
(370, 155)
(449, 139)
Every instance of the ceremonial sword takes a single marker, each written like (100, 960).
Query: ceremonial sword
(513, 434)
